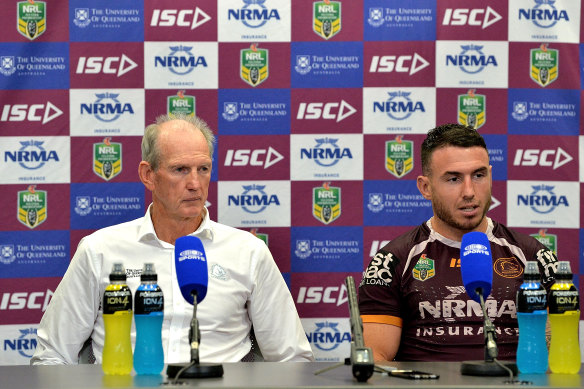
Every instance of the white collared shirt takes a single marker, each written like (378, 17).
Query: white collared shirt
(245, 288)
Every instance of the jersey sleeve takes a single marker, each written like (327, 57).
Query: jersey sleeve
(379, 291)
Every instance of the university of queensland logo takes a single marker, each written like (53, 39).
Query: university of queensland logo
(302, 250)
(31, 18)
(327, 18)
(181, 104)
(82, 18)
(254, 65)
(7, 65)
(399, 156)
(326, 203)
(520, 112)
(472, 109)
(7, 254)
(230, 111)
(303, 64)
(107, 159)
(83, 205)
(544, 65)
(32, 207)
(376, 17)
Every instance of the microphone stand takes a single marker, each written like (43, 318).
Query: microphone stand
(194, 369)
(491, 366)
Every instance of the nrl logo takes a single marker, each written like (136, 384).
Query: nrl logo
(181, 104)
(544, 65)
(399, 156)
(424, 269)
(107, 159)
(472, 109)
(326, 203)
(327, 18)
(31, 18)
(254, 65)
(548, 240)
(32, 207)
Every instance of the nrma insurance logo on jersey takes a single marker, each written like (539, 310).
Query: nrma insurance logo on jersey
(330, 338)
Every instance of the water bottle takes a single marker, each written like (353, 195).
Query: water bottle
(117, 318)
(564, 308)
(148, 315)
(532, 353)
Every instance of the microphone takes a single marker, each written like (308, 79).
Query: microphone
(192, 276)
(476, 268)
(361, 356)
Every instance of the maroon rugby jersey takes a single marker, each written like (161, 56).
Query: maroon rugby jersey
(415, 281)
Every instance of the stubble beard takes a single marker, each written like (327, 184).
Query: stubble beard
(447, 218)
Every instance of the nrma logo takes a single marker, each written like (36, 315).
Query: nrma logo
(32, 155)
(107, 107)
(180, 61)
(543, 199)
(253, 199)
(544, 14)
(25, 345)
(399, 105)
(471, 59)
(254, 14)
(327, 336)
(326, 153)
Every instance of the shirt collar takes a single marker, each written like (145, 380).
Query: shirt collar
(147, 234)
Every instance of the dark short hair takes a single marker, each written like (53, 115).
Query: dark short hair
(450, 134)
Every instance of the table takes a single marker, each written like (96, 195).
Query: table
(270, 375)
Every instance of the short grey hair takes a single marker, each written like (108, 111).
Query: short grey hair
(150, 150)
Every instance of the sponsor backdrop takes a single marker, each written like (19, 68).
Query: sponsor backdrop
(319, 108)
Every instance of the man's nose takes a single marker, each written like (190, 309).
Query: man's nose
(468, 188)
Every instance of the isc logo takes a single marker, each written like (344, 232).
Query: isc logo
(108, 65)
(179, 17)
(471, 17)
(317, 294)
(398, 64)
(259, 157)
(33, 112)
(547, 158)
(22, 300)
(329, 111)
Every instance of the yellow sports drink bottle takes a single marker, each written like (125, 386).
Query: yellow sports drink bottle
(117, 317)
(564, 314)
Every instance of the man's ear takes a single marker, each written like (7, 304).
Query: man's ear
(146, 174)
(424, 187)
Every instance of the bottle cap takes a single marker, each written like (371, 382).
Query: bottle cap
(118, 272)
(531, 271)
(148, 273)
(564, 271)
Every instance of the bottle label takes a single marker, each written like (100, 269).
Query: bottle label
(529, 300)
(564, 300)
(149, 301)
(115, 300)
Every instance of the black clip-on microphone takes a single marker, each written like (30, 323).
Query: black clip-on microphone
(491, 366)
(194, 369)
(361, 358)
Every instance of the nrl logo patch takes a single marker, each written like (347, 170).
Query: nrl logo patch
(424, 269)
(472, 109)
(399, 156)
(107, 159)
(544, 65)
(327, 18)
(254, 65)
(181, 104)
(32, 207)
(326, 203)
(31, 18)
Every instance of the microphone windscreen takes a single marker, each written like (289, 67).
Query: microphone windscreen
(191, 267)
(476, 264)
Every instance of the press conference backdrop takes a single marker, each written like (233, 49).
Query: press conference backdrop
(320, 108)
